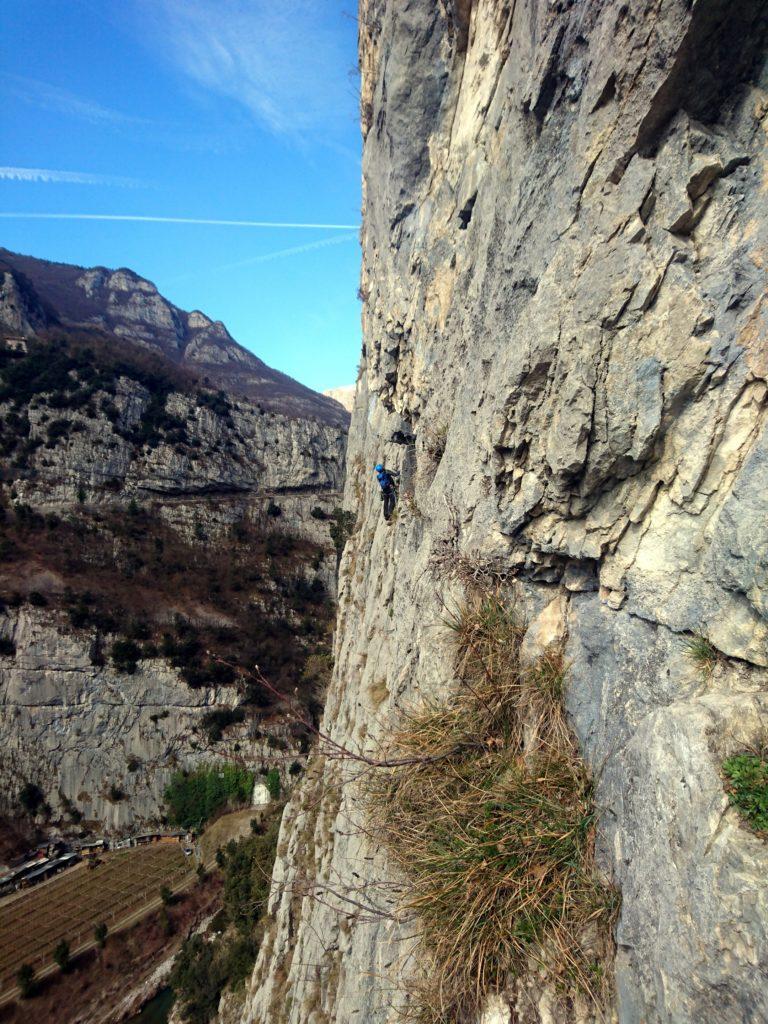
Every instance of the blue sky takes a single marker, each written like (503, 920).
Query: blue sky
(240, 110)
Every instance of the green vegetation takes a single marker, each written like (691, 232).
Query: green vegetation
(272, 782)
(125, 655)
(166, 921)
(31, 798)
(194, 797)
(62, 955)
(26, 980)
(100, 933)
(702, 653)
(747, 787)
(124, 574)
(79, 371)
(215, 722)
(491, 821)
(217, 402)
(57, 429)
(197, 980)
(72, 371)
(341, 528)
(203, 969)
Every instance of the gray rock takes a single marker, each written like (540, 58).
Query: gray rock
(564, 258)
(76, 730)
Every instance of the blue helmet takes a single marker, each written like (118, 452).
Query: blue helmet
(378, 467)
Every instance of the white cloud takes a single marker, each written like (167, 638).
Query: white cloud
(40, 174)
(286, 61)
(51, 97)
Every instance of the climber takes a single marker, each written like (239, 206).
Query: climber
(388, 482)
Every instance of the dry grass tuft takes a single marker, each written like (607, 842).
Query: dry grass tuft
(476, 573)
(434, 438)
(702, 653)
(495, 838)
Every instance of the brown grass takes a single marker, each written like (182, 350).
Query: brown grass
(434, 438)
(496, 838)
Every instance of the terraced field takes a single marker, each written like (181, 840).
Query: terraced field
(69, 907)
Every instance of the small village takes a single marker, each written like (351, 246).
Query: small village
(55, 857)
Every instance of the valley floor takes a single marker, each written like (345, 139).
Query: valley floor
(119, 891)
(95, 991)
(144, 933)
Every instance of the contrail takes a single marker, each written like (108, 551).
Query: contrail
(180, 220)
(42, 174)
(267, 256)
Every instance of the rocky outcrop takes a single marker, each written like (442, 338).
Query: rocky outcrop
(77, 730)
(245, 450)
(564, 268)
(19, 312)
(344, 395)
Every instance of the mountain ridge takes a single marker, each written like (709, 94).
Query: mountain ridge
(37, 294)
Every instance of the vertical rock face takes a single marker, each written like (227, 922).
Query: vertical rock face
(93, 738)
(564, 267)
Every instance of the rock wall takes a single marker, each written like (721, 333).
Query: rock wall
(106, 743)
(565, 242)
(564, 253)
(77, 729)
(251, 449)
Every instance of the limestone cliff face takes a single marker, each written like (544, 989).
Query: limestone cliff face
(80, 730)
(565, 242)
(225, 459)
(77, 727)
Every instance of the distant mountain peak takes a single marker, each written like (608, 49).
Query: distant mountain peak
(344, 395)
(37, 294)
